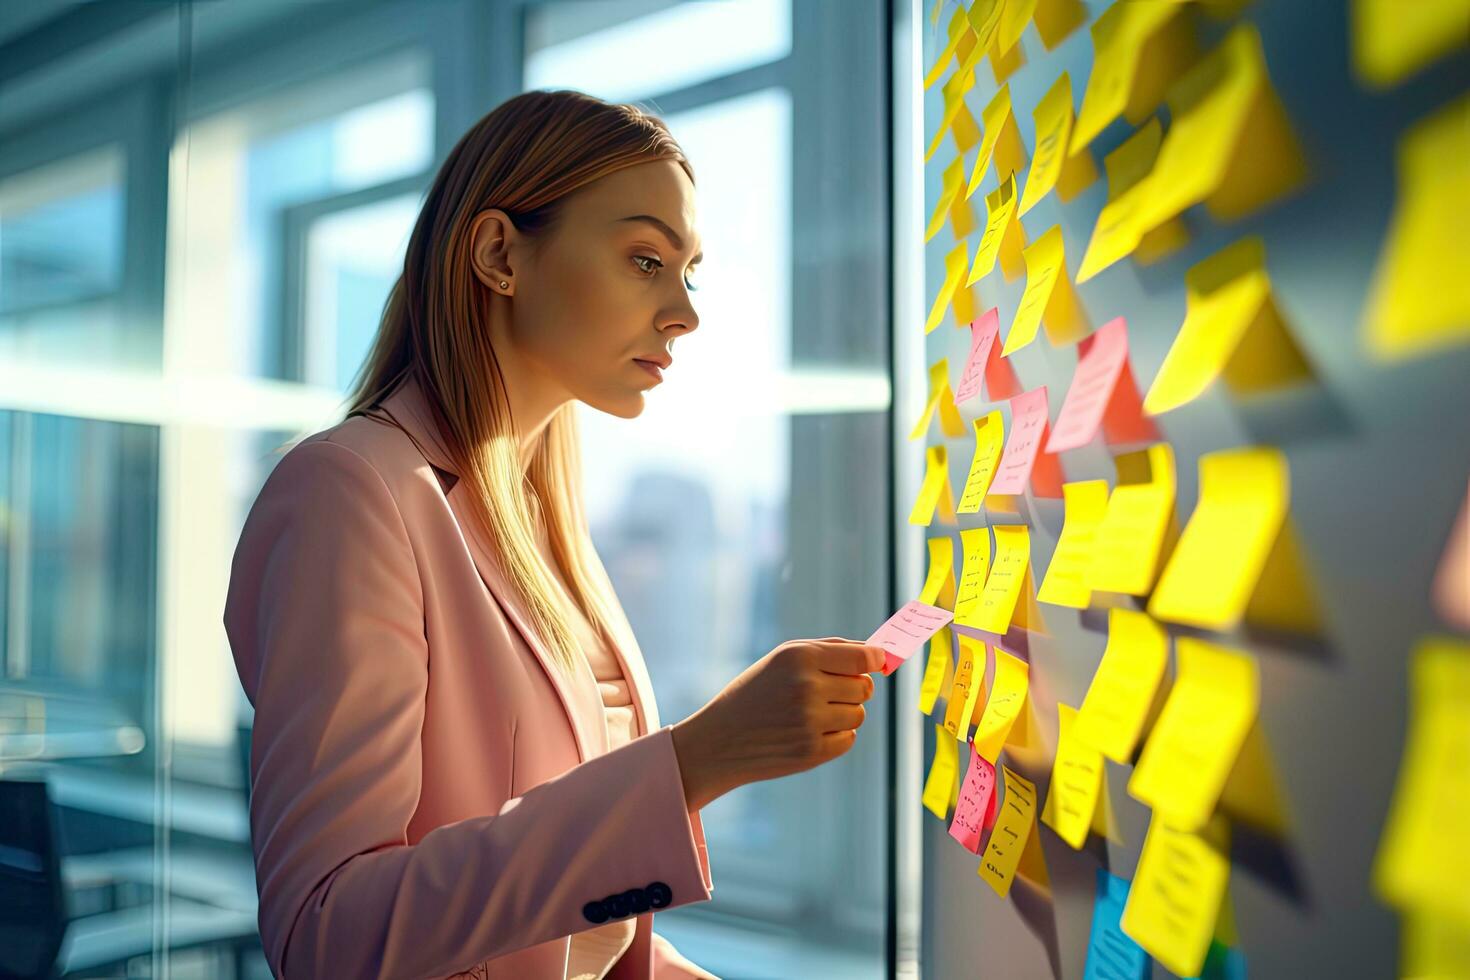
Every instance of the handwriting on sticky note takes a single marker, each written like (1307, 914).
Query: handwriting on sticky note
(941, 785)
(1423, 860)
(1066, 581)
(1006, 702)
(969, 679)
(906, 631)
(975, 810)
(1102, 394)
(1076, 781)
(1013, 825)
(1123, 689)
(1000, 235)
(1175, 899)
(982, 349)
(1199, 735)
(1111, 955)
(1138, 526)
(1052, 166)
(976, 544)
(1028, 428)
(1007, 577)
(989, 437)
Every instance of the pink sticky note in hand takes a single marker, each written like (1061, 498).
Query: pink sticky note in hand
(1102, 394)
(1022, 460)
(976, 809)
(906, 631)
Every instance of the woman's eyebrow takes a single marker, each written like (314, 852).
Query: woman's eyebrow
(669, 233)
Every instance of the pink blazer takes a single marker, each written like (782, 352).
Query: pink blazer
(431, 795)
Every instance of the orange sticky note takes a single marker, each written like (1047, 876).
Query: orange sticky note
(976, 808)
(1138, 49)
(989, 434)
(1009, 575)
(934, 493)
(1003, 239)
(1013, 825)
(1067, 579)
(1232, 328)
(983, 364)
(1125, 685)
(1049, 295)
(1076, 782)
(1053, 166)
(955, 264)
(1452, 581)
(976, 543)
(1001, 142)
(1119, 231)
(1230, 144)
(1138, 529)
(1193, 748)
(1238, 529)
(1004, 706)
(969, 678)
(1023, 459)
(1102, 394)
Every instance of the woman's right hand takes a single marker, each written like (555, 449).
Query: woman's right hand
(797, 707)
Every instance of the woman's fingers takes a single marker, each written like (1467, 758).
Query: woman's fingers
(847, 689)
(843, 717)
(847, 657)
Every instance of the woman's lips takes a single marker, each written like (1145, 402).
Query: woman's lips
(651, 368)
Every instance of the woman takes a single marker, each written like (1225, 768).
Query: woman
(457, 766)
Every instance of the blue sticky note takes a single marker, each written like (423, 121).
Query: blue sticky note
(1222, 963)
(1111, 954)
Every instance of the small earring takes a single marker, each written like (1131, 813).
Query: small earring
(504, 284)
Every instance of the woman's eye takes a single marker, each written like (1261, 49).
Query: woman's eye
(659, 265)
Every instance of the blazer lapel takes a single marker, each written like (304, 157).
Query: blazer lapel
(578, 691)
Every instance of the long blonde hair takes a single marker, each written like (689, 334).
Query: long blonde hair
(524, 157)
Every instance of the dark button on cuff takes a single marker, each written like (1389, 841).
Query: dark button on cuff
(595, 912)
(638, 900)
(659, 894)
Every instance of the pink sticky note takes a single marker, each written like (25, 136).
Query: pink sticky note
(976, 809)
(983, 351)
(1102, 393)
(906, 631)
(1022, 459)
(1452, 581)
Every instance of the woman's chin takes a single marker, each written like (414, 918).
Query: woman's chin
(628, 406)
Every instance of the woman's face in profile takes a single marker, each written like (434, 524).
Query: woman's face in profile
(608, 285)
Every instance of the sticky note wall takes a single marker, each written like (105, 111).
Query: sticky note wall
(1207, 486)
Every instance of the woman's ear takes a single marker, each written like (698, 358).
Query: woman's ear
(492, 237)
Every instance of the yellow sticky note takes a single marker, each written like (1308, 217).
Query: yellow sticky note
(1076, 782)
(1013, 825)
(948, 195)
(1054, 166)
(1008, 576)
(955, 264)
(1003, 239)
(1230, 143)
(976, 543)
(1119, 231)
(1066, 581)
(1420, 298)
(969, 678)
(1125, 685)
(1001, 142)
(1013, 20)
(938, 667)
(1138, 49)
(1138, 527)
(958, 27)
(941, 400)
(941, 571)
(1049, 296)
(989, 441)
(1393, 39)
(1175, 898)
(934, 492)
(1423, 861)
(1221, 562)
(1197, 741)
(1433, 946)
(1231, 328)
(985, 21)
(1056, 19)
(1005, 705)
(954, 109)
(942, 787)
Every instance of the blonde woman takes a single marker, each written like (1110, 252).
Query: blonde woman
(457, 766)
